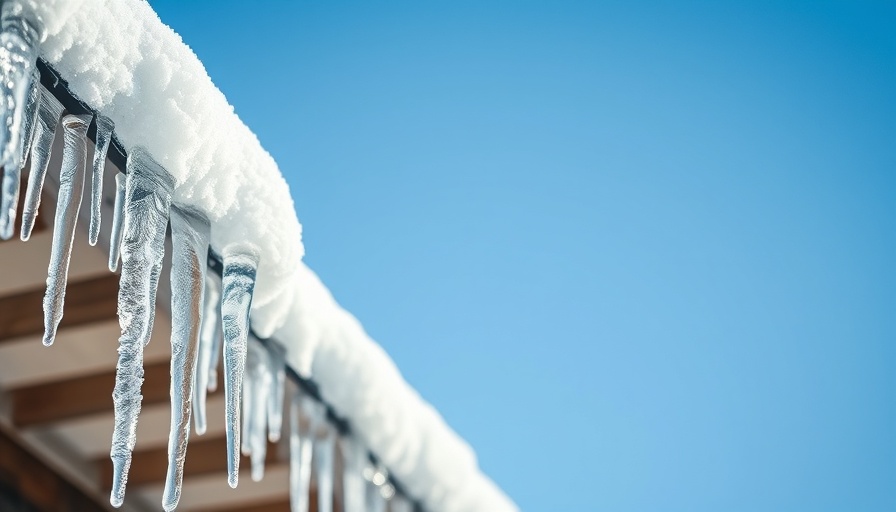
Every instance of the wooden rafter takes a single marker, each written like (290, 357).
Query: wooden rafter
(269, 506)
(87, 301)
(204, 456)
(39, 485)
(66, 399)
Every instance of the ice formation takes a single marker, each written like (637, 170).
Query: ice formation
(12, 174)
(209, 347)
(256, 392)
(48, 113)
(238, 284)
(190, 232)
(353, 483)
(104, 127)
(277, 363)
(324, 445)
(71, 188)
(117, 222)
(20, 33)
(142, 78)
(303, 422)
(148, 199)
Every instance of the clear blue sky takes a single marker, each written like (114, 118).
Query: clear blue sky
(640, 254)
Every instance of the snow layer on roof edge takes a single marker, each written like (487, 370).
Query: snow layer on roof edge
(120, 58)
(407, 434)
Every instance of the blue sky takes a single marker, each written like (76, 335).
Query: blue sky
(639, 254)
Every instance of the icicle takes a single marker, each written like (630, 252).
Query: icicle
(208, 344)
(12, 174)
(71, 187)
(323, 466)
(277, 361)
(20, 34)
(189, 260)
(257, 389)
(148, 192)
(375, 501)
(104, 127)
(353, 483)
(217, 348)
(400, 504)
(300, 448)
(48, 112)
(248, 394)
(238, 283)
(30, 119)
(378, 488)
(117, 221)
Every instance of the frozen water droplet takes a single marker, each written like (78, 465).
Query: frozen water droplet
(117, 222)
(20, 34)
(399, 504)
(12, 174)
(148, 198)
(71, 188)
(104, 127)
(48, 112)
(277, 362)
(257, 389)
(323, 465)
(300, 449)
(238, 283)
(190, 231)
(353, 483)
(209, 345)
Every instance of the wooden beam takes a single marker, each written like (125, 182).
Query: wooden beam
(25, 478)
(51, 402)
(88, 301)
(204, 456)
(268, 506)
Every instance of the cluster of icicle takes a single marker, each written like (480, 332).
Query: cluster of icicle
(209, 317)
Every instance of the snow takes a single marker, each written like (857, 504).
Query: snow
(118, 57)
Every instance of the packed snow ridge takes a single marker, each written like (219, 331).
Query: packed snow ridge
(119, 58)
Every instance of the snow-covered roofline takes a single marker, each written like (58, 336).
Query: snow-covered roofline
(121, 60)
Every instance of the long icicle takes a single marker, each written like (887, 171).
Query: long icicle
(48, 114)
(208, 345)
(217, 348)
(399, 504)
(117, 221)
(301, 442)
(353, 483)
(190, 231)
(20, 34)
(277, 357)
(12, 174)
(248, 393)
(238, 283)
(260, 389)
(324, 447)
(104, 127)
(148, 191)
(71, 188)
(375, 500)
(30, 119)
